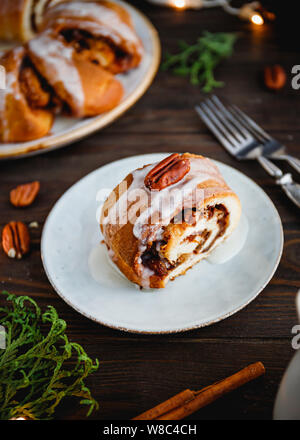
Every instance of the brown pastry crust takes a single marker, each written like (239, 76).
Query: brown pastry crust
(19, 19)
(41, 7)
(125, 248)
(20, 120)
(85, 88)
(102, 91)
(16, 19)
(101, 23)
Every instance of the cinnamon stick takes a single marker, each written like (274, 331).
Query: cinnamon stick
(167, 406)
(186, 403)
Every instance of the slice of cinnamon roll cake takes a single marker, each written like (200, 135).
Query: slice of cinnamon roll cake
(165, 217)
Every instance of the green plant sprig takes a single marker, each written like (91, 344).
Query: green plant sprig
(40, 366)
(198, 61)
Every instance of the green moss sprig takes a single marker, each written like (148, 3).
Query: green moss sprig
(40, 366)
(198, 61)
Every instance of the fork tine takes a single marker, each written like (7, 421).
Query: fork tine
(214, 127)
(219, 123)
(226, 122)
(256, 129)
(232, 117)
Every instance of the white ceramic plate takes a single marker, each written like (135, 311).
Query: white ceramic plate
(136, 82)
(206, 294)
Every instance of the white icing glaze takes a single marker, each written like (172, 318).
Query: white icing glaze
(103, 269)
(166, 202)
(145, 272)
(58, 61)
(161, 205)
(111, 253)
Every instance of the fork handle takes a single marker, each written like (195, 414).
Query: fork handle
(291, 189)
(270, 167)
(293, 161)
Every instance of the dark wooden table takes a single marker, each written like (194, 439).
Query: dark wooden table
(138, 371)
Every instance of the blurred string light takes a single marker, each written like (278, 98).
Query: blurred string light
(249, 11)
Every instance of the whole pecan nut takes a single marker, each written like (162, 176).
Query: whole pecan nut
(24, 195)
(275, 77)
(15, 239)
(168, 172)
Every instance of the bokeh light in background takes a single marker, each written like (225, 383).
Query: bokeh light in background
(257, 19)
(179, 4)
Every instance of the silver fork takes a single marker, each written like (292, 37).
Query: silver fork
(241, 144)
(271, 147)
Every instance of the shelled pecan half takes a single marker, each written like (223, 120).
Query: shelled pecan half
(167, 172)
(24, 195)
(15, 239)
(275, 77)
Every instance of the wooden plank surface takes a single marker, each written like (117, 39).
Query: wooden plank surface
(136, 371)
